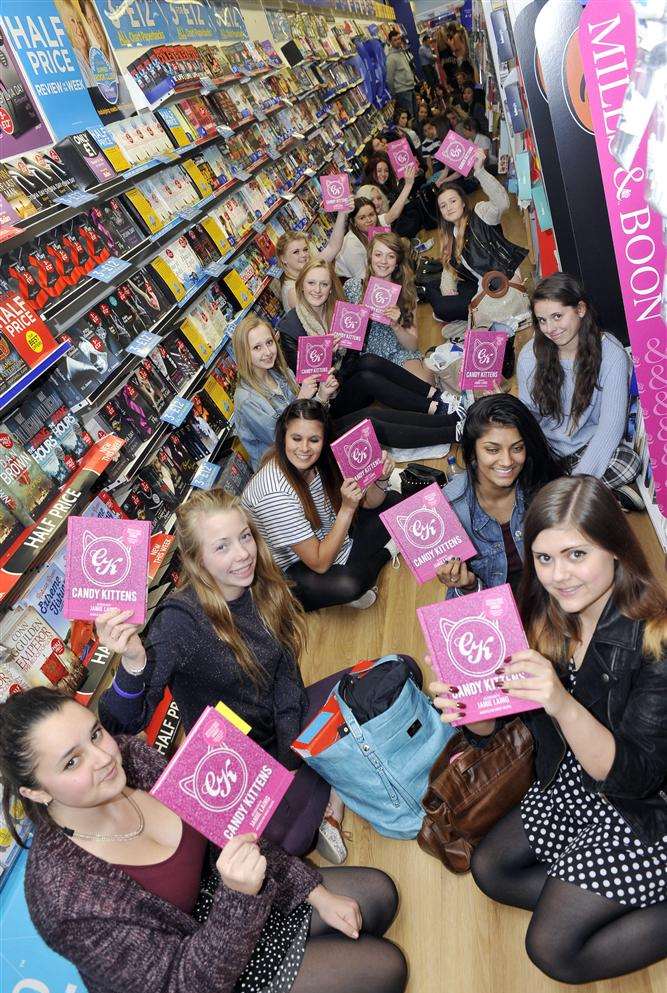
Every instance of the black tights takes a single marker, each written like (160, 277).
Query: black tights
(333, 963)
(574, 936)
(451, 308)
(344, 583)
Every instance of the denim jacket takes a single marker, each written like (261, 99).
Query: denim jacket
(490, 565)
(255, 416)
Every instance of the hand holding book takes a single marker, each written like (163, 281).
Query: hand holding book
(116, 633)
(241, 865)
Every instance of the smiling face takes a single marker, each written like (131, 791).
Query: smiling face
(403, 119)
(365, 218)
(304, 441)
(78, 762)
(379, 145)
(383, 260)
(559, 323)
(422, 112)
(578, 574)
(295, 256)
(382, 172)
(430, 131)
(451, 206)
(228, 551)
(262, 347)
(317, 286)
(500, 455)
(376, 197)
(468, 94)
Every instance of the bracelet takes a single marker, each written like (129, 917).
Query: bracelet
(383, 488)
(124, 694)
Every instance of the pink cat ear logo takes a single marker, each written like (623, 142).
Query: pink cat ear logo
(335, 188)
(401, 156)
(351, 321)
(381, 297)
(476, 646)
(219, 781)
(424, 527)
(358, 453)
(455, 150)
(105, 561)
(484, 355)
(315, 355)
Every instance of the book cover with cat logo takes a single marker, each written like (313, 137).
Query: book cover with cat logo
(350, 320)
(380, 295)
(106, 567)
(427, 531)
(221, 782)
(335, 192)
(458, 153)
(400, 156)
(469, 638)
(314, 356)
(483, 355)
(358, 454)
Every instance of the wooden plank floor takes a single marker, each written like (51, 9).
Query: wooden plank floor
(455, 939)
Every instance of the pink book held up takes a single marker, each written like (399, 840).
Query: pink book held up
(380, 295)
(350, 320)
(456, 152)
(483, 354)
(335, 191)
(400, 156)
(427, 531)
(469, 637)
(314, 355)
(106, 567)
(358, 454)
(221, 782)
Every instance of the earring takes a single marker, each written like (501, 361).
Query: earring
(47, 802)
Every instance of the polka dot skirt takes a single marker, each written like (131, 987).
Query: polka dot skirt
(278, 953)
(584, 840)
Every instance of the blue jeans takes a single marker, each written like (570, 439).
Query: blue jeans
(406, 99)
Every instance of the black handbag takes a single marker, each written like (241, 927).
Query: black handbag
(417, 477)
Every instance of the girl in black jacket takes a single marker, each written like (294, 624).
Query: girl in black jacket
(586, 849)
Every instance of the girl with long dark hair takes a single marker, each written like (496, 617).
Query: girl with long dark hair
(397, 340)
(139, 901)
(586, 849)
(507, 460)
(352, 259)
(575, 379)
(323, 530)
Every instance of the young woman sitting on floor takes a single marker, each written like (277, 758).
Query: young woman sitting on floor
(294, 249)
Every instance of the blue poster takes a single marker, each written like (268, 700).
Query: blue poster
(134, 24)
(190, 22)
(279, 26)
(41, 45)
(229, 20)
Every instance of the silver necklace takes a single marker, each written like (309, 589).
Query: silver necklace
(71, 833)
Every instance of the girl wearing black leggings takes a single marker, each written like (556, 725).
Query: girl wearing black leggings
(586, 849)
(323, 531)
(419, 414)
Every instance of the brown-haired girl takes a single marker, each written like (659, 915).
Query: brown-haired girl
(575, 380)
(586, 849)
(140, 902)
(232, 632)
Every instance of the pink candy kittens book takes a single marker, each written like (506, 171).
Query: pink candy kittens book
(314, 355)
(458, 153)
(358, 454)
(335, 191)
(350, 320)
(483, 355)
(380, 295)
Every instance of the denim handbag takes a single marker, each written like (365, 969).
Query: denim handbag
(381, 768)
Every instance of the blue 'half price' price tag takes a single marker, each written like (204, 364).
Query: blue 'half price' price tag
(107, 271)
(206, 475)
(260, 115)
(225, 130)
(274, 271)
(259, 226)
(177, 411)
(215, 268)
(273, 153)
(144, 344)
(75, 199)
(243, 175)
(191, 212)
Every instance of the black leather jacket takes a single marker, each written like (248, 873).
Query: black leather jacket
(628, 694)
(486, 248)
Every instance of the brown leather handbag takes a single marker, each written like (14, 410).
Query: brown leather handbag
(470, 789)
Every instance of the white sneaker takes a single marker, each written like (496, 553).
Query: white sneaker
(366, 600)
(394, 551)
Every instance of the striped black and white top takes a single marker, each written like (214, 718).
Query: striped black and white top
(276, 510)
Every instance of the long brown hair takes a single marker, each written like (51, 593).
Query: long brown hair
(281, 614)
(359, 203)
(246, 370)
(402, 274)
(546, 391)
(336, 292)
(451, 248)
(326, 465)
(585, 503)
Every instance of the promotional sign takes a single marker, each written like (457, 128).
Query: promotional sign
(457, 153)
(428, 532)
(42, 48)
(221, 782)
(314, 356)
(21, 126)
(557, 34)
(358, 454)
(468, 638)
(608, 46)
(134, 24)
(335, 192)
(24, 329)
(229, 21)
(401, 156)
(106, 567)
(350, 320)
(483, 355)
(380, 295)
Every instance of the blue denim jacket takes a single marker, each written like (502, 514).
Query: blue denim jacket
(255, 416)
(490, 565)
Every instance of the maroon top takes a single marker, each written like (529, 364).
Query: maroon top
(514, 563)
(178, 878)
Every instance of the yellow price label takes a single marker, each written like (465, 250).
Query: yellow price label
(34, 342)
